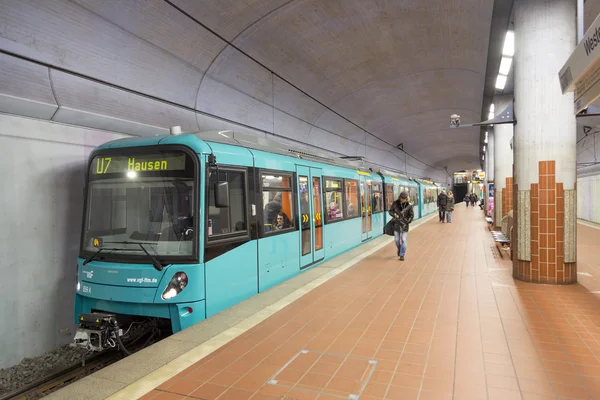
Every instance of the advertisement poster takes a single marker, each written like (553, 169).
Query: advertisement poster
(491, 190)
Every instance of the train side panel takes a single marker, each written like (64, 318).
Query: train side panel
(231, 248)
(278, 253)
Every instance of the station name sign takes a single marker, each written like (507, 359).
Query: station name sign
(114, 164)
(590, 42)
(581, 72)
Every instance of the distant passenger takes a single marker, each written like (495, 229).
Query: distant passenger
(351, 210)
(279, 222)
(442, 201)
(273, 207)
(403, 214)
(467, 199)
(450, 207)
(473, 199)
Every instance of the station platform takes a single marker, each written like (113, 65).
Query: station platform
(449, 322)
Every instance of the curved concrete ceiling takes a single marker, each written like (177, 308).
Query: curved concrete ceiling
(380, 64)
(352, 76)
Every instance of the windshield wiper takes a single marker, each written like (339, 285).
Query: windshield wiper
(96, 253)
(155, 262)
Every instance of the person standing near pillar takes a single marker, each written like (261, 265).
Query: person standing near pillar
(545, 202)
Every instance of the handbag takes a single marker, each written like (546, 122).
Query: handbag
(388, 229)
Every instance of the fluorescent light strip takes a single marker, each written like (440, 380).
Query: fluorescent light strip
(509, 44)
(500, 82)
(505, 65)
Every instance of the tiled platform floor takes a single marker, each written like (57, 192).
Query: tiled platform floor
(447, 323)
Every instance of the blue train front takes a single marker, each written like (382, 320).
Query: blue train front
(179, 228)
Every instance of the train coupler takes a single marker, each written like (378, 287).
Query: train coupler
(97, 332)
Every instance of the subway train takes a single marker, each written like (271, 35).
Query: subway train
(182, 227)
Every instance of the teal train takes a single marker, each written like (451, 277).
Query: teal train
(182, 227)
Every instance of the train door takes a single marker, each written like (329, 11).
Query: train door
(310, 215)
(365, 198)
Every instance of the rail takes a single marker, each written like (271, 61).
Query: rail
(54, 381)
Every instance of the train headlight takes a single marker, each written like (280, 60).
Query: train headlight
(177, 284)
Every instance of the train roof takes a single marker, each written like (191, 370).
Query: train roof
(280, 146)
(288, 149)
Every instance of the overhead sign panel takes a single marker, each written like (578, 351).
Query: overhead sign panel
(581, 73)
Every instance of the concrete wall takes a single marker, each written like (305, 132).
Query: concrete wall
(42, 166)
(588, 172)
(588, 198)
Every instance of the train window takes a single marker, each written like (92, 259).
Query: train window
(141, 196)
(230, 220)
(277, 197)
(389, 196)
(352, 203)
(114, 203)
(376, 197)
(413, 195)
(333, 200)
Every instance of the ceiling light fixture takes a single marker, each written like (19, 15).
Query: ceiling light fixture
(509, 44)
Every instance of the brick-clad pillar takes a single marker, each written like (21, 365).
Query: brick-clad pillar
(544, 186)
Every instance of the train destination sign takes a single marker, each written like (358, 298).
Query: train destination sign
(114, 164)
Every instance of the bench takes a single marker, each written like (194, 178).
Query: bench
(502, 242)
(490, 223)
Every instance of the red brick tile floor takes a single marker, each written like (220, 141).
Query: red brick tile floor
(449, 322)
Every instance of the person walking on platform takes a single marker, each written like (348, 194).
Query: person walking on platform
(467, 199)
(450, 207)
(403, 214)
(442, 200)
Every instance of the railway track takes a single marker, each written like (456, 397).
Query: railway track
(55, 381)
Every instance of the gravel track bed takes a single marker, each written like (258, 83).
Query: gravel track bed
(32, 369)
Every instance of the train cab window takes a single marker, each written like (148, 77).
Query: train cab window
(277, 200)
(145, 196)
(333, 200)
(376, 197)
(351, 195)
(389, 196)
(230, 220)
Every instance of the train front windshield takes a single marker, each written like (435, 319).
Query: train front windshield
(141, 202)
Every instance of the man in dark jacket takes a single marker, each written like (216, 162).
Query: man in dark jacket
(442, 201)
(403, 214)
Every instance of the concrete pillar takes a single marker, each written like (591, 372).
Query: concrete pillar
(503, 163)
(489, 169)
(545, 203)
